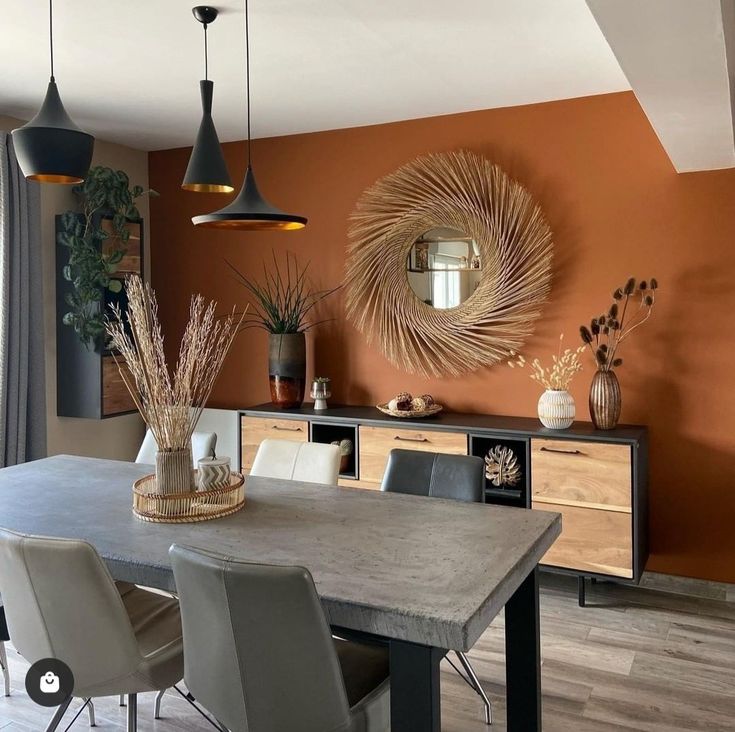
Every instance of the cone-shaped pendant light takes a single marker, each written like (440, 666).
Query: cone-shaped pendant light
(249, 210)
(207, 171)
(51, 148)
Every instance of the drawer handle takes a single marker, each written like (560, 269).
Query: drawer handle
(411, 439)
(287, 429)
(562, 452)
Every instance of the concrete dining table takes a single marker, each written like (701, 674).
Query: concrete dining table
(426, 575)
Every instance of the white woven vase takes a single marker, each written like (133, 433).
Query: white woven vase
(556, 409)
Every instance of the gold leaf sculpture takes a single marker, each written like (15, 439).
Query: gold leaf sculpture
(502, 468)
(462, 191)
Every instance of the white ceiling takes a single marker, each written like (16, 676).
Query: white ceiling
(128, 70)
(676, 55)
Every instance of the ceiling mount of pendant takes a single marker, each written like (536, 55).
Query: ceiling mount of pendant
(205, 14)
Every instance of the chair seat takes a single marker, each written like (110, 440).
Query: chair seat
(157, 628)
(365, 670)
(364, 667)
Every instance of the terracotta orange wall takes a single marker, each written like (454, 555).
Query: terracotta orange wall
(617, 208)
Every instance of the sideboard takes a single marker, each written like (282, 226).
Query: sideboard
(597, 480)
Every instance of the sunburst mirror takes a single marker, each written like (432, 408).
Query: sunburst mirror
(449, 264)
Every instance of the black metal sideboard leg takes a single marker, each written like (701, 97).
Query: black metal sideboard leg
(415, 701)
(523, 657)
(581, 591)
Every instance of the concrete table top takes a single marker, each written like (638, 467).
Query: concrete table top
(424, 570)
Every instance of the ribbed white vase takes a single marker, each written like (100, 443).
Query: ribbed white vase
(556, 409)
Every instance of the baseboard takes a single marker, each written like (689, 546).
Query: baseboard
(688, 586)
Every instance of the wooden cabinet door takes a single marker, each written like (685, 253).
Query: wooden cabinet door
(256, 429)
(591, 485)
(377, 442)
(116, 398)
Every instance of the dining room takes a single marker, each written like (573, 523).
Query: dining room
(428, 428)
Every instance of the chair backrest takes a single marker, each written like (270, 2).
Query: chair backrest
(258, 652)
(459, 477)
(311, 462)
(202, 445)
(61, 602)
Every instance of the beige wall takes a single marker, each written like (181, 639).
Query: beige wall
(117, 437)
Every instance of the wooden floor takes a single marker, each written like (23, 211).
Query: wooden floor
(632, 660)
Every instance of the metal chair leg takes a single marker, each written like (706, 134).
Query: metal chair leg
(90, 711)
(4, 667)
(132, 713)
(467, 666)
(58, 716)
(157, 705)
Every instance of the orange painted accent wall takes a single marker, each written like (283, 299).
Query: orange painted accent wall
(617, 208)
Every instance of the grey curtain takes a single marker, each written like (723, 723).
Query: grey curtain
(22, 369)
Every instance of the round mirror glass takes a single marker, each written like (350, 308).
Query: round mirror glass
(444, 267)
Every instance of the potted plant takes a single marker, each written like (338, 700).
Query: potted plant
(632, 306)
(556, 407)
(281, 304)
(95, 248)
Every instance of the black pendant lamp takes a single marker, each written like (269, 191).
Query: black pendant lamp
(207, 171)
(249, 210)
(51, 148)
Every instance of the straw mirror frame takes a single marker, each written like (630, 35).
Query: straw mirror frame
(462, 191)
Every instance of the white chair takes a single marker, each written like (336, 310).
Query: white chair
(202, 445)
(61, 602)
(310, 462)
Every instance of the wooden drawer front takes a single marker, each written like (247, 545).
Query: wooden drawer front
(257, 429)
(349, 483)
(592, 540)
(589, 474)
(377, 442)
(116, 398)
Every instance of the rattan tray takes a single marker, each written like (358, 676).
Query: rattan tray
(180, 508)
(411, 413)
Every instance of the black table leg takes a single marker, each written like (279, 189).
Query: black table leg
(415, 703)
(523, 657)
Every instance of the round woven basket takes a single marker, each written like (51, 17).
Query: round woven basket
(411, 413)
(188, 507)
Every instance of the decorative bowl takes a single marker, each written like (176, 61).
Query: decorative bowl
(411, 413)
(179, 508)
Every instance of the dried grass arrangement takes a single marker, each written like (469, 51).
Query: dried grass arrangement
(559, 374)
(631, 307)
(466, 192)
(170, 403)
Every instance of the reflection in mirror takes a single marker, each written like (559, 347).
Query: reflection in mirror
(444, 267)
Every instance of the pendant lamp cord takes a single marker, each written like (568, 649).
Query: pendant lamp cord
(247, 72)
(51, 34)
(206, 54)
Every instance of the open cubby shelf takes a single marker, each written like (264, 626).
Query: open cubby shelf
(518, 495)
(326, 433)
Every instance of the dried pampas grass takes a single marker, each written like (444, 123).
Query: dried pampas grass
(170, 404)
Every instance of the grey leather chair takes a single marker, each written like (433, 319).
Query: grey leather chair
(260, 656)
(61, 602)
(457, 477)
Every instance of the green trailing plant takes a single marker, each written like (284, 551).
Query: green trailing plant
(631, 307)
(284, 299)
(91, 266)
